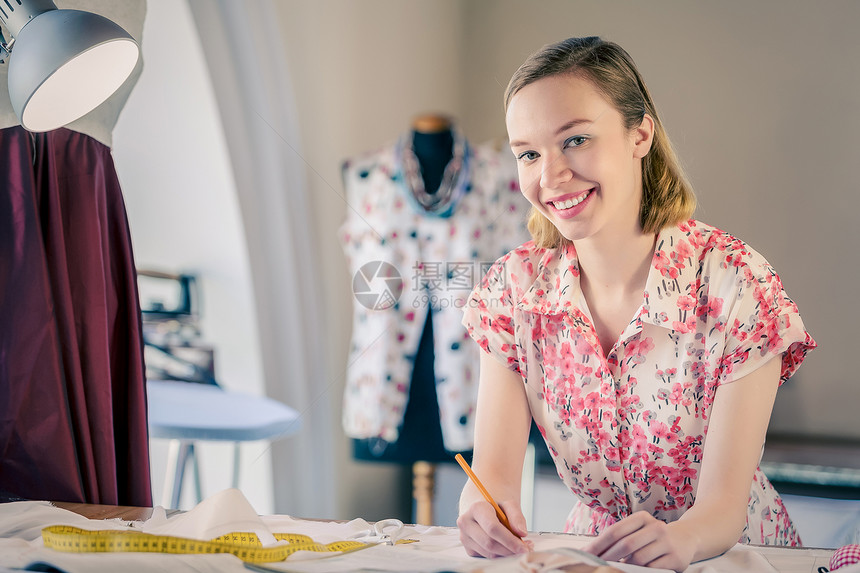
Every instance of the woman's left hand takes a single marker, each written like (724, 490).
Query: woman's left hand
(642, 539)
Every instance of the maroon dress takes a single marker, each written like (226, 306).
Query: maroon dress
(72, 387)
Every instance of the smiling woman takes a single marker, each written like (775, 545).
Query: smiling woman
(647, 347)
(612, 86)
(567, 166)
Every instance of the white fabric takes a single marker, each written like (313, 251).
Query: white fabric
(438, 548)
(225, 512)
(21, 545)
(439, 260)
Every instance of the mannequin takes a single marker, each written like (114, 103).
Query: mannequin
(420, 442)
(421, 434)
(72, 390)
(433, 144)
(438, 210)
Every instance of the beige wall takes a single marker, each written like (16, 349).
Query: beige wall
(762, 100)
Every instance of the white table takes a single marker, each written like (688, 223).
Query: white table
(439, 548)
(186, 412)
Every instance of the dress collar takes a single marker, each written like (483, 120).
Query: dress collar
(673, 274)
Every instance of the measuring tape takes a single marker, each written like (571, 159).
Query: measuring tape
(245, 546)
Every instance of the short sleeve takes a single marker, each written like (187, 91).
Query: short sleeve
(488, 316)
(764, 324)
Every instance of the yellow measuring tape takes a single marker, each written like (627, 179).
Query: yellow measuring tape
(245, 546)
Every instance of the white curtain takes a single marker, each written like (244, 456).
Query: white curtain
(248, 67)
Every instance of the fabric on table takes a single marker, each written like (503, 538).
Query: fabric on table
(227, 511)
(850, 568)
(845, 556)
(438, 548)
(743, 558)
(72, 394)
(21, 546)
(627, 430)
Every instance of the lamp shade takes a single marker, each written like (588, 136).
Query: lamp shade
(64, 64)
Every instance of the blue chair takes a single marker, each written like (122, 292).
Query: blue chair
(185, 413)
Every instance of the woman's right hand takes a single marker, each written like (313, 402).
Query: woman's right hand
(502, 423)
(483, 535)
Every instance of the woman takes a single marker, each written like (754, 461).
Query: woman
(639, 341)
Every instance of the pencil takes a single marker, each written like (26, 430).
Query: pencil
(499, 513)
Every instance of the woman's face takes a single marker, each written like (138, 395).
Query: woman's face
(578, 165)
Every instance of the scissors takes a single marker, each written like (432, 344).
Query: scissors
(384, 532)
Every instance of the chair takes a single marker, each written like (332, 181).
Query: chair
(184, 413)
(186, 403)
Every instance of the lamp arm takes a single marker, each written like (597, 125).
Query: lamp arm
(5, 49)
(16, 17)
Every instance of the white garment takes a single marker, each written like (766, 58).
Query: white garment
(439, 260)
(21, 545)
(438, 548)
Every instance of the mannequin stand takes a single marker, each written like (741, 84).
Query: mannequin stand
(420, 445)
(423, 486)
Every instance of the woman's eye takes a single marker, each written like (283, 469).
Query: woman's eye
(527, 156)
(575, 141)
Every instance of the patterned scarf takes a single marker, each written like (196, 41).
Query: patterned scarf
(455, 180)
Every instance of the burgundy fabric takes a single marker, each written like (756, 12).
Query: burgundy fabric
(72, 387)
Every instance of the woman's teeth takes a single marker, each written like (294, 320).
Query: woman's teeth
(571, 202)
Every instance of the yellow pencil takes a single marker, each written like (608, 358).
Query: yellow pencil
(499, 513)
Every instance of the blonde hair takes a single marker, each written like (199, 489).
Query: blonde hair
(667, 197)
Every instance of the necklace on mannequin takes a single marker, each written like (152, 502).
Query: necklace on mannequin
(440, 202)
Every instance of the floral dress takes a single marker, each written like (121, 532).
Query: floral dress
(627, 430)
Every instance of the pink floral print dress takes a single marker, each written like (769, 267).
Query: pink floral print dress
(627, 430)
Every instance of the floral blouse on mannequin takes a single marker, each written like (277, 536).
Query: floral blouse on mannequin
(439, 257)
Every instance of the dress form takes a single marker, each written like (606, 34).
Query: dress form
(420, 442)
(433, 144)
(440, 241)
(72, 385)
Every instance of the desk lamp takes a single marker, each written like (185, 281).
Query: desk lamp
(62, 63)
